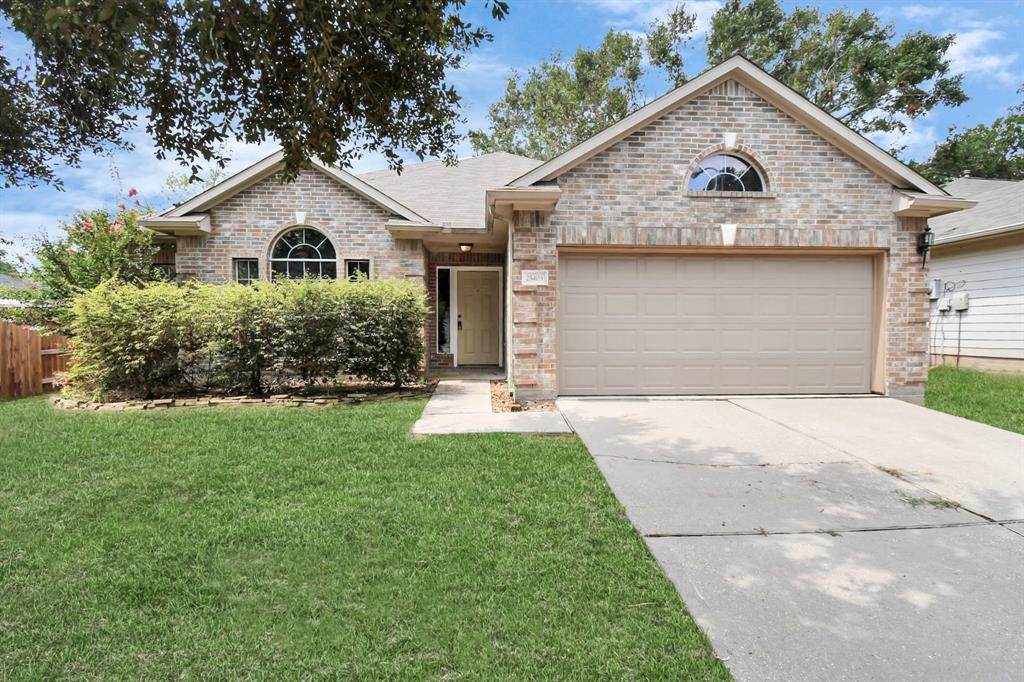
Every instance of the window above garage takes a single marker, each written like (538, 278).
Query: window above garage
(725, 173)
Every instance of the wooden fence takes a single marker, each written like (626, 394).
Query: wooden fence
(29, 360)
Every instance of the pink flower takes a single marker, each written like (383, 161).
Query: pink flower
(72, 249)
(132, 192)
(121, 206)
(26, 327)
(87, 224)
(137, 203)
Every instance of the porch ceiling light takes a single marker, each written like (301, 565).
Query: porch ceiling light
(728, 234)
(465, 247)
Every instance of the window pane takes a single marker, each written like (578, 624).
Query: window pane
(246, 270)
(725, 173)
(355, 268)
(279, 268)
(444, 313)
(329, 269)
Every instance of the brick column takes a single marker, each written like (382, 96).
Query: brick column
(534, 368)
(906, 314)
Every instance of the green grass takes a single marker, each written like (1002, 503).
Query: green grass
(285, 543)
(996, 399)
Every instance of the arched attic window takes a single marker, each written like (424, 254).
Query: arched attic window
(725, 173)
(303, 251)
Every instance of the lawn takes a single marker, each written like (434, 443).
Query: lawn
(996, 399)
(286, 543)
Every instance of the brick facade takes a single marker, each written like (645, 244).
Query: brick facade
(246, 225)
(634, 193)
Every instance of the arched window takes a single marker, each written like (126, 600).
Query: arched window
(725, 173)
(303, 251)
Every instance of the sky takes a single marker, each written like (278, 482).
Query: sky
(988, 52)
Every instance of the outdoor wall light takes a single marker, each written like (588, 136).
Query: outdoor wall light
(465, 247)
(924, 242)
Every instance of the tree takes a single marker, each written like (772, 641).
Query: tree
(847, 64)
(330, 79)
(96, 246)
(7, 266)
(984, 151)
(561, 103)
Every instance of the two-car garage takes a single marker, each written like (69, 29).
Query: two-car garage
(650, 324)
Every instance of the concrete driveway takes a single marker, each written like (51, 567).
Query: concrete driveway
(813, 538)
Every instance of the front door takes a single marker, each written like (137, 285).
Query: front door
(478, 295)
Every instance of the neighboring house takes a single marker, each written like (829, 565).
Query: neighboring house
(980, 252)
(11, 282)
(729, 237)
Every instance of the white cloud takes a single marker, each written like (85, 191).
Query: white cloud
(919, 12)
(639, 14)
(919, 140)
(971, 53)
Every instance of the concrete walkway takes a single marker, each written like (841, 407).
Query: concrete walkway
(808, 537)
(464, 406)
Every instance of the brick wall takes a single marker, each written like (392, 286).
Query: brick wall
(635, 194)
(246, 225)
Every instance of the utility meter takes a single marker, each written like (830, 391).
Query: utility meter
(945, 304)
(961, 301)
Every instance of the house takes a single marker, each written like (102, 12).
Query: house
(11, 282)
(977, 272)
(727, 238)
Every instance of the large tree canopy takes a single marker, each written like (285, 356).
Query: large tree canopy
(331, 79)
(984, 151)
(847, 64)
(561, 102)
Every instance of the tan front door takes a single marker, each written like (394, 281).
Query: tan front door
(478, 295)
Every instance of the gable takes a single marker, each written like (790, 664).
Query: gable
(272, 165)
(756, 80)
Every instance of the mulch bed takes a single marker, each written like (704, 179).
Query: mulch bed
(501, 401)
(339, 396)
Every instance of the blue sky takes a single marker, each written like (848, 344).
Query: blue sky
(988, 52)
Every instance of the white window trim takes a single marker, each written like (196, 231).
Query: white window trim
(453, 297)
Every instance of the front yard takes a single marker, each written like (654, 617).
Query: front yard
(284, 543)
(996, 399)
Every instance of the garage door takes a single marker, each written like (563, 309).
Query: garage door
(684, 324)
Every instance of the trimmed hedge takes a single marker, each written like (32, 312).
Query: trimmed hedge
(164, 338)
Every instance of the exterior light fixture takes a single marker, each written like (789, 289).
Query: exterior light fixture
(465, 247)
(300, 217)
(924, 243)
(728, 234)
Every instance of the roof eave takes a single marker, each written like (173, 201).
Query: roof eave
(979, 234)
(921, 205)
(196, 225)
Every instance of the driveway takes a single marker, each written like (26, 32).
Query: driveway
(815, 538)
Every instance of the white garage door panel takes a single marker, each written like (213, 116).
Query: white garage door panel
(714, 324)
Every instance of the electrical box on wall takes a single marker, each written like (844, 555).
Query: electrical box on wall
(961, 301)
(944, 305)
(933, 293)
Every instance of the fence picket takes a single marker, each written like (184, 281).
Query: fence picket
(29, 360)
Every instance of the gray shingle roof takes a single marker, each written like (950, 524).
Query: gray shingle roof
(1000, 204)
(12, 282)
(451, 195)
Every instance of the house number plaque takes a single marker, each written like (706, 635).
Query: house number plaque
(535, 278)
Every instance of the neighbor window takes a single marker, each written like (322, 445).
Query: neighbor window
(354, 268)
(444, 313)
(247, 270)
(302, 252)
(725, 173)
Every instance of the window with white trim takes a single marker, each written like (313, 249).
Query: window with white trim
(725, 173)
(303, 252)
(247, 270)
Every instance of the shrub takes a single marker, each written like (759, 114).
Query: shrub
(146, 340)
(246, 335)
(381, 334)
(128, 339)
(311, 322)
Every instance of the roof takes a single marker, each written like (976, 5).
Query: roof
(451, 195)
(12, 282)
(755, 78)
(1000, 209)
(971, 187)
(272, 164)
